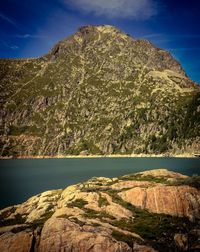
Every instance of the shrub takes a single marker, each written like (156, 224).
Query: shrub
(80, 203)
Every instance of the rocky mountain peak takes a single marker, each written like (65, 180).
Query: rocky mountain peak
(99, 28)
(99, 92)
(92, 35)
(109, 40)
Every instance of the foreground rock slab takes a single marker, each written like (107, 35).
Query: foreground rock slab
(157, 210)
(183, 201)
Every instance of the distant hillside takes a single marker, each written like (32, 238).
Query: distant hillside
(98, 92)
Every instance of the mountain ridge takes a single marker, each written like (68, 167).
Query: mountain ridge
(98, 92)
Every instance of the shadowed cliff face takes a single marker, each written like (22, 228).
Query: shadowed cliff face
(98, 92)
(105, 214)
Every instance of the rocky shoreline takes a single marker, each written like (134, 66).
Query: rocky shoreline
(185, 155)
(156, 210)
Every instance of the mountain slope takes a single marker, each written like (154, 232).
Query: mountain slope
(98, 92)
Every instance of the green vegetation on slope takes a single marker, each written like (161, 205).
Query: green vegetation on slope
(110, 94)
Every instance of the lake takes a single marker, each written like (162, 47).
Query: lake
(22, 178)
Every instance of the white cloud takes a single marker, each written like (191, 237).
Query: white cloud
(27, 36)
(5, 44)
(133, 9)
(14, 47)
(8, 20)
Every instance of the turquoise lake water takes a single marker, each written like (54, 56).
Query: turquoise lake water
(23, 178)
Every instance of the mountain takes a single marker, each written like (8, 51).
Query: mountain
(156, 210)
(99, 91)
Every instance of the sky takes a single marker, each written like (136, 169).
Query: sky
(30, 28)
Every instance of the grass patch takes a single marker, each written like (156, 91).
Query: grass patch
(92, 214)
(193, 181)
(148, 225)
(102, 201)
(149, 178)
(18, 219)
(77, 221)
(119, 200)
(42, 220)
(80, 203)
(123, 238)
(72, 218)
(92, 189)
(6, 214)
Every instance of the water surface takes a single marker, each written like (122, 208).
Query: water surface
(23, 178)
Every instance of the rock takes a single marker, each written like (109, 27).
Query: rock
(114, 228)
(84, 153)
(20, 242)
(118, 211)
(63, 235)
(173, 200)
(181, 241)
(194, 240)
(130, 184)
(37, 206)
(68, 194)
(142, 248)
(92, 199)
(162, 173)
(91, 216)
(195, 247)
(36, 239)
(114, 209)
(13, 228)
(66, 211)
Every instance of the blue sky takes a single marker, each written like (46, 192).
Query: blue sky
(30, 28)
